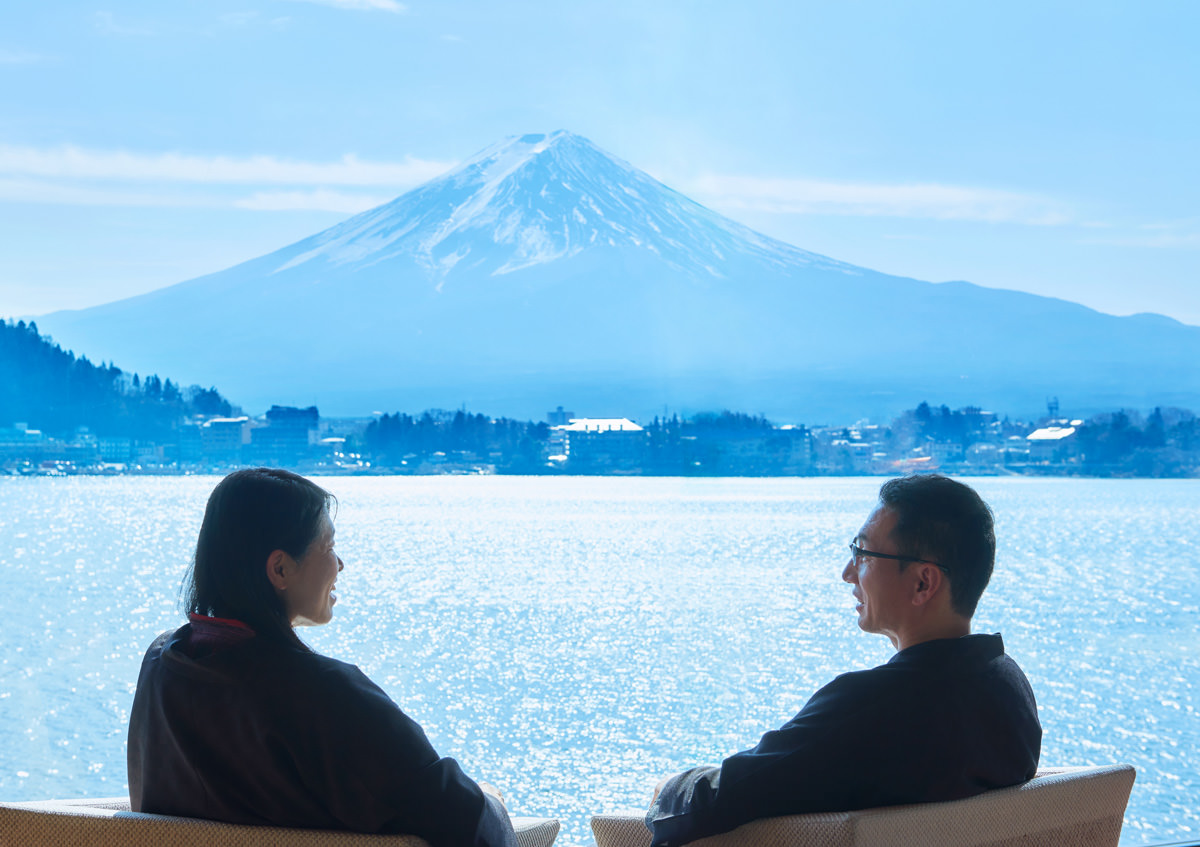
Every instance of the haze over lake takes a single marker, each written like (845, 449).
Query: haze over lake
(574, 639)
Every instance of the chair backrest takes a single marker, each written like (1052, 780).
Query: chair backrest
(77, 824)
(109, 823)
(1067, 807)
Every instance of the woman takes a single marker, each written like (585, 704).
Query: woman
(236, 719)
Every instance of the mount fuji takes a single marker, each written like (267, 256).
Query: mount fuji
(544, 271)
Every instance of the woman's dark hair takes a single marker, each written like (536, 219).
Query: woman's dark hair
(250, 514)
(944, 521)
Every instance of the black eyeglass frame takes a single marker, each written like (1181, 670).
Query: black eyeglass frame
(857, 551)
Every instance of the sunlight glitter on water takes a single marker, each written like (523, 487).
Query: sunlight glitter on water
(574, 639)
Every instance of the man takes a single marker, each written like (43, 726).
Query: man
(949, 716)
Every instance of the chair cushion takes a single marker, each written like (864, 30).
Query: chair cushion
(109, 823)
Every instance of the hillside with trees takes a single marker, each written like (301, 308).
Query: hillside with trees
(53, 390)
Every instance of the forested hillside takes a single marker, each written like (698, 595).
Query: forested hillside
(54, 390)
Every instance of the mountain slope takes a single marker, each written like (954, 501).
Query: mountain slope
(544, 271)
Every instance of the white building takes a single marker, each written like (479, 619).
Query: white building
(612, 442)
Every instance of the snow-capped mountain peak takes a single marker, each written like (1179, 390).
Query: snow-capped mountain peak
(537, 198)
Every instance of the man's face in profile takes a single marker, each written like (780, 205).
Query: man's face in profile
(878, 584)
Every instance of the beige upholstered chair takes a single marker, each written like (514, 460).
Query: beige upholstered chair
(1060, 807)
(109, 823)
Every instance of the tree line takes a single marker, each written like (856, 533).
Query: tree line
(398, 440)
(57, 392)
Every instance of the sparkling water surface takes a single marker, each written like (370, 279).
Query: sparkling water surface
(572, 640)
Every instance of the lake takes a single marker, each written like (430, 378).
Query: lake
(574, 639)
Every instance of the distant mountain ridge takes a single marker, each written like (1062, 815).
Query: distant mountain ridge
(544, 271)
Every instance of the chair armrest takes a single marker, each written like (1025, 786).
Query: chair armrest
(116, 804)
(627, 829)
(535, 832)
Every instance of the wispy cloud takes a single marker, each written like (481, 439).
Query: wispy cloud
(1151, 237)
(906, 237)
(107, 24)
(1177, 234)
(42, 192)
(77, 176)
(362, 5)
(70, 162)
(914, 200)
(238, 19)
(319, 200)
(45, 192)
(244, 20)
(19, 57)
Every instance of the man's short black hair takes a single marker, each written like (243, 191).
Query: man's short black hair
(944, 521)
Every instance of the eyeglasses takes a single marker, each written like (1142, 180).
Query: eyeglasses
(859, 552)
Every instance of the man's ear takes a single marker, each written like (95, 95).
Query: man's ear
(929, 581)
(277, 569)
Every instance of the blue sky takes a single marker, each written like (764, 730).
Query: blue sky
(1048, 147)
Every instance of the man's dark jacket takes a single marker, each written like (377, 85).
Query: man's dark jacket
(258, 733)
(941, 720)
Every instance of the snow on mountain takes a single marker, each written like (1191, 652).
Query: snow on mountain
(545, 271)
(536, 199)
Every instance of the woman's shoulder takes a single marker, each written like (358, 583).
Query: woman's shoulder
(328, 690)
(335, 670)
(160, 644)
(333, 677)
(270, 672)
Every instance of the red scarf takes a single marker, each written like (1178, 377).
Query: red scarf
(216, 633)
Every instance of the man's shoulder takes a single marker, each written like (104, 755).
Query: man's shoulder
(848, 695)
(969, 654)
(906, 673)
(937, 675)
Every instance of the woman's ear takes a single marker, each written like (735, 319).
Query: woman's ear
(277, 570)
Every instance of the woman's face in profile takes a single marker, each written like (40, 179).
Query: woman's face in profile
(309, 596)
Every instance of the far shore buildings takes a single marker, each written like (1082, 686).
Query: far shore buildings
(966, 441)
(223, 439)
(1054, 443)
(284, 436)
(587, 444)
